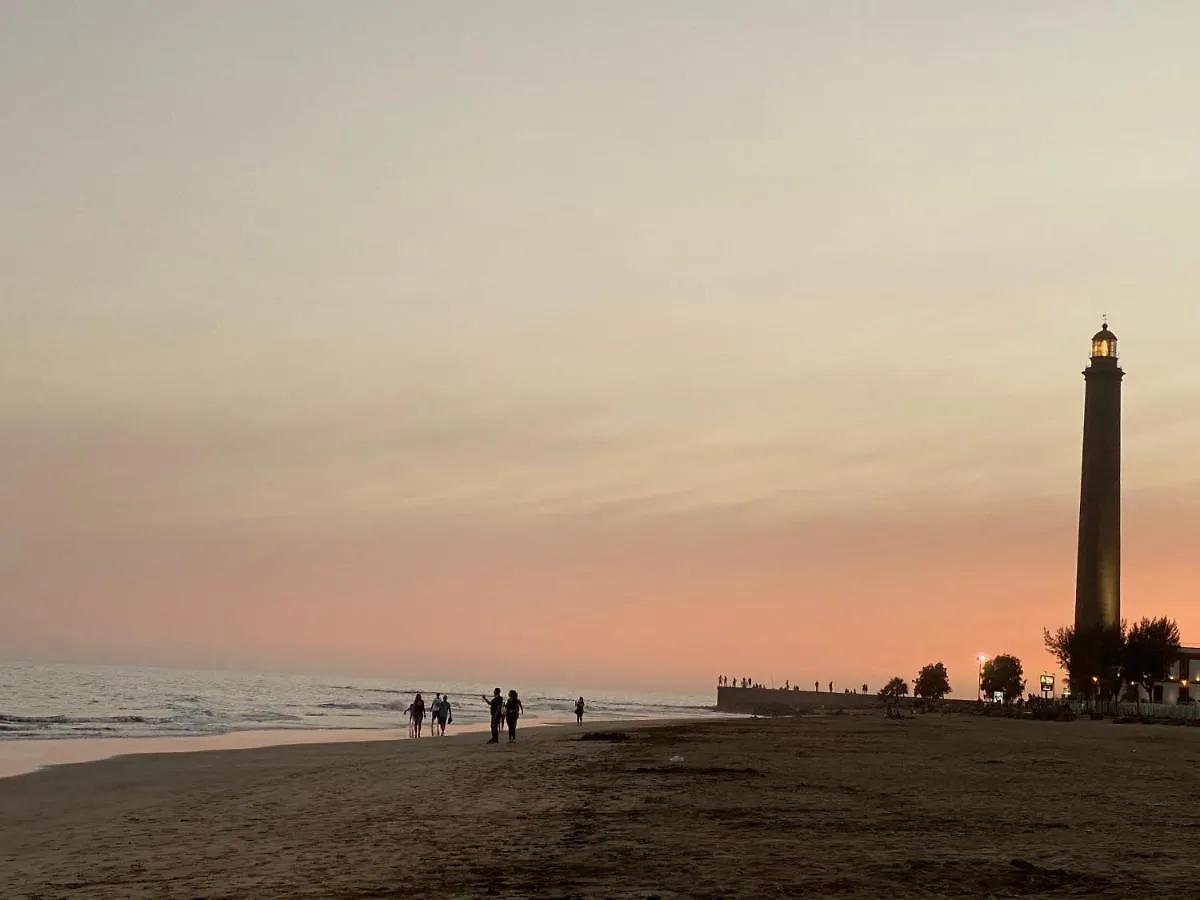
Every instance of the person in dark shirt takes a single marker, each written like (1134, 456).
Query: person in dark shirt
(418, 714)
(579, 706)
(513, 710)
(443, 717)
(496, 706)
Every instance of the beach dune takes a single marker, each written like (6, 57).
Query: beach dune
(846, 806)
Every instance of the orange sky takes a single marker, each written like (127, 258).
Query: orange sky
(613, 345)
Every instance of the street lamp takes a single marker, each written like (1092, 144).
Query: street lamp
(979, 682)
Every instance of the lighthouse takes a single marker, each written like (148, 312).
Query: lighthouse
(1098, 571)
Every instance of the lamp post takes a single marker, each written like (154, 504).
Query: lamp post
(979, 681)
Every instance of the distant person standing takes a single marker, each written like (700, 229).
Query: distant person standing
(496, 708)
(512, 711)
(579, 711)
(817, 686)
(831, 687)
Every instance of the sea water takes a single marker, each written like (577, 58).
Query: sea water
(43, 702)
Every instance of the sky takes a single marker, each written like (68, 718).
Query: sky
(615, 344)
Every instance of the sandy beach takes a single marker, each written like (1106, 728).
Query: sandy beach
(845, 806)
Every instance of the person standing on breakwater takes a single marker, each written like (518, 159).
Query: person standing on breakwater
(579, 711)
(496, 707)
(512, 711)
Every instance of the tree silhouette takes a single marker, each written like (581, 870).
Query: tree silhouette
(1091, 657)
(1150, 649)
(932, 683)
(895, 689)
(1004, 674)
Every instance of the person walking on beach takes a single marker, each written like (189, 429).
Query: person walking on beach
(445, 715)
(579, 711)
(435, 710)
(512, 711)
(412, 724)
(418, 715)
(496, 707)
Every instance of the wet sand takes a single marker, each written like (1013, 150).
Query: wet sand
(821, 806)
(22, 756)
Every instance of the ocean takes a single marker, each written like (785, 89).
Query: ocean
(63, 702)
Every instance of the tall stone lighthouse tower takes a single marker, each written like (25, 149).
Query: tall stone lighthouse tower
(1098, 572)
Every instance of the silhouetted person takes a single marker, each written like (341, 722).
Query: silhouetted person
(443, 717)
(418, 714)
(831, 687)
(579, 711)
(817, 686)
(435, 712)
(512, 711)
(496, 708)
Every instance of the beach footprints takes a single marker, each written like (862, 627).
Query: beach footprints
(612, 737)
(676, 769)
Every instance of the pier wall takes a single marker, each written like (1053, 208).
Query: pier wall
(776, 701)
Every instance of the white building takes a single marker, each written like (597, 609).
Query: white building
(1185, 672)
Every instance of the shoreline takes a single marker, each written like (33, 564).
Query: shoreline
(29, 756)
(32, 755)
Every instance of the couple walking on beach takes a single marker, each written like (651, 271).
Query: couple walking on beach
(504, 712)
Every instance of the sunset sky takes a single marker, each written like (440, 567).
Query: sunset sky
(620, 343)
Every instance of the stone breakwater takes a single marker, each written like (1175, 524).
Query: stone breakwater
(778, 702)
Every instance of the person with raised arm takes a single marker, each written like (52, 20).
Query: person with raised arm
(496, 708)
